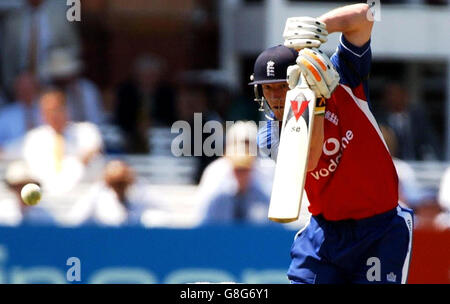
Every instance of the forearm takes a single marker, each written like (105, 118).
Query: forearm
(317, 138)
(352, 21)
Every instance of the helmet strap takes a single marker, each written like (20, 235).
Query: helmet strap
(259, 99)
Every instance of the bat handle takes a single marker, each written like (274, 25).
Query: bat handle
(302, 83)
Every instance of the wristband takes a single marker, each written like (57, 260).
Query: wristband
(319, 108)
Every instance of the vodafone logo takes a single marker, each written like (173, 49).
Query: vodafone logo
(333, 146)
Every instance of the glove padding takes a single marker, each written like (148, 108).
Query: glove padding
(301, 32)
(318, 71)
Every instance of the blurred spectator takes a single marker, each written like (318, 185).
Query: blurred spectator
(411, 192)
(3, 100)
(83, 97)
(436, 2)
(32, 32)
(2, 93)
(116, 201)
(443, 219)
(144, 100)
(236, 188)
(193, 98)
(59, 151)
(13, 211)
(194, 95)
(218, 92)
(416, 138)
(22, 115)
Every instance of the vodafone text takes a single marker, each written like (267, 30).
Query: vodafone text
(333, 146)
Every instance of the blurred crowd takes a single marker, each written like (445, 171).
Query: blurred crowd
(55, 126)
(235, 188)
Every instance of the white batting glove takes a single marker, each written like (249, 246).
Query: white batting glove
(301, 32)
(318, 71)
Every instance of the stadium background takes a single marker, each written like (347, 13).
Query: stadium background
(212, 45)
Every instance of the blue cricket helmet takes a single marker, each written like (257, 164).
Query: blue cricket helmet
(271, 65)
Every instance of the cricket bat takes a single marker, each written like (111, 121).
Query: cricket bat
(293, 149)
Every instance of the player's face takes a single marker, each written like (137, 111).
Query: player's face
(243, 178)
(54, 112)
(275, 94)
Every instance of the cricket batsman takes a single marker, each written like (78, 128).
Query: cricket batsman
(357, 233)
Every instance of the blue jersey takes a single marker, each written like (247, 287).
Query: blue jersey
(268, 137)
(353, 65)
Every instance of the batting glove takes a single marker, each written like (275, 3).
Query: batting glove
(318, 71)
(301, 32)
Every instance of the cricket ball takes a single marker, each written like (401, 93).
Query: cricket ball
(31, 194)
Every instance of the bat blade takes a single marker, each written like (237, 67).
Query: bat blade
(290, 170)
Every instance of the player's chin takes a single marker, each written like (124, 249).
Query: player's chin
(278, 108)
(279, 113)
